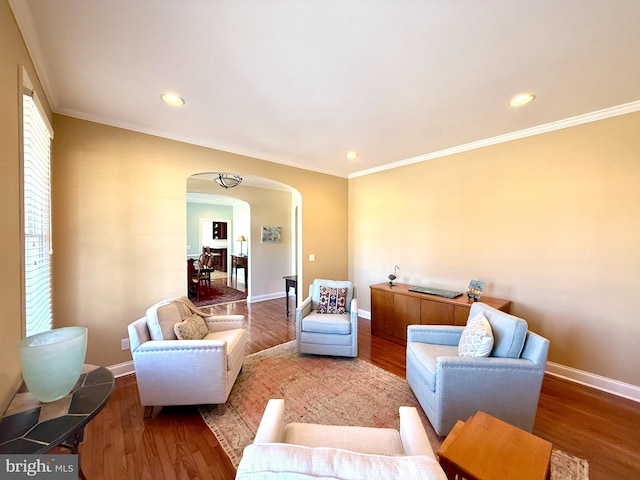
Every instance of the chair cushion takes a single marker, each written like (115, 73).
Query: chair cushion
(332, 300)
(509, 331)
(192, 328)
(319, 323)
(426, 355)
(477, 338)
(383, 441)
(235, 347)
(327, 339)
(161, 321)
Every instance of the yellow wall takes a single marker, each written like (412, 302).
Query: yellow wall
(119, 224)
(551, 222)
(13, 56)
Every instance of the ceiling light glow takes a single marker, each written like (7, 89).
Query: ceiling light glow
(172, 98)
(352, 155)
(522, 99)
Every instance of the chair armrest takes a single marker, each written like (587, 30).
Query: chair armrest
(219, 323)
(181, 345)
(434, 334)
(488, 364)
(303, 309)
(138, 333)
(414, 438)
(165, 359)
(271, 428)
(488, 380)
(353, 310)
(507, 388)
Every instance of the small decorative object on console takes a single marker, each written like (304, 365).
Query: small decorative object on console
(475, 290)
(392, 276)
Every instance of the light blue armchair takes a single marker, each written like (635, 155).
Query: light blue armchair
(505, 385)
(328, 333)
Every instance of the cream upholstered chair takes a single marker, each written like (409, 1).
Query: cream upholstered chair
(328, 333)
(506, 384)
(185, 372)
(310, 451)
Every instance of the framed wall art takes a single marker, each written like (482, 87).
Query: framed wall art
(271, 234)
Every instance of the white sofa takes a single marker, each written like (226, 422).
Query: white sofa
(309, 451)
(185, 372)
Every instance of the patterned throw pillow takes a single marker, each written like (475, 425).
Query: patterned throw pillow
(192, 328)
(477, 338)
(332, 300)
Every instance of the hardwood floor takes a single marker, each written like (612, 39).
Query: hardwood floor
(176, 444)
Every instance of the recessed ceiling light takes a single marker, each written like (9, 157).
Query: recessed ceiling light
(522, 99)
(352, 155)
(172, 98)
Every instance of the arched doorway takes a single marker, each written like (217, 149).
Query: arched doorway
(255, 206)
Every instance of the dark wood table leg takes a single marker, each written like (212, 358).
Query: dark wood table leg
(289, 283)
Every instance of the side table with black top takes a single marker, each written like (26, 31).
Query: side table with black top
(290, 281)
(33, 427)
(240, 261)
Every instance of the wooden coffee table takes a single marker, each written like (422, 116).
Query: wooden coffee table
(485, 448)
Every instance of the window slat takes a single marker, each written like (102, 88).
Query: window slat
(37, 219)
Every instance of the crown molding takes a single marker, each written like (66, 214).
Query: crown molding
(232, 149)
(508, 137)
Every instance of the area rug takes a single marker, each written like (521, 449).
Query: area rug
(330, 391)
(218, 294)
(567, 467)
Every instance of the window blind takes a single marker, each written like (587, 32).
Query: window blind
(37, 218)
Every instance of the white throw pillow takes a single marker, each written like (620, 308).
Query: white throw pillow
(477, 338)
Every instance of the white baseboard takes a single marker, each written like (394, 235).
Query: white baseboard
(122, 369)
(609, 385)
(271, 296)
(615, 387)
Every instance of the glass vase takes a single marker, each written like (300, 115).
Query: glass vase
(52, 361)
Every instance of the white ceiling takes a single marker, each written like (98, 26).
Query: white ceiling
(301, 82)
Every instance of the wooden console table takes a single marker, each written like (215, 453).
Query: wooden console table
(393, 308)
(485, 448)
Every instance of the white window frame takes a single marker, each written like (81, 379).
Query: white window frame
(36, 137)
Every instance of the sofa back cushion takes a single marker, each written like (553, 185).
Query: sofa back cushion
(280, 460)
(161, 320)
(509, 331)
(384, 441)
